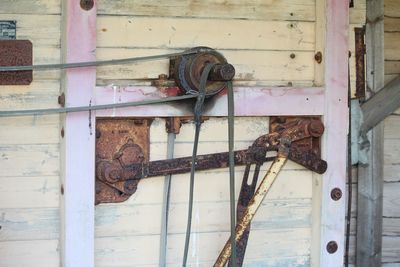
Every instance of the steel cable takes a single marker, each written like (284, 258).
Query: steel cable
(59, 66)
(14, 113)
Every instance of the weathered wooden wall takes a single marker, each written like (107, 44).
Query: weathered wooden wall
(391, 189)
(269, 42)
(29, 146)
(258, 39)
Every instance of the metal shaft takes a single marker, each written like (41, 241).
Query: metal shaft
(251, 209)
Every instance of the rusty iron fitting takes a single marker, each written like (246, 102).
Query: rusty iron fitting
(222, 72)
(331, 247)
(336, 194)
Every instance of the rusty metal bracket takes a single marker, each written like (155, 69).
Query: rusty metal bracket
(122, 141)
(15, 53)
(360, 62)
(305, 151)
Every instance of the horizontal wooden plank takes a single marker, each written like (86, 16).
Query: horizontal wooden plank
(214, 129)
(30, 7)
(249, 65)
(149, 32)
(392, 24)
(392, 128)
(29, 224)
(140, 251)
(303, 10)
(40, 129)
(29, 192)
(46, 28)
(249, 101)
(291, 184)
(392, 43)
(144, 219)
(391, 226)
(29, 160)
(392, 160)
(34, 253)
(392, 67)
(357, 13)
(391, 200)
(390, 249)
(392, 8)
(40, 94)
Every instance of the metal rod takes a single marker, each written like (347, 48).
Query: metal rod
(251, 209)
(165, 208)
(231, 121)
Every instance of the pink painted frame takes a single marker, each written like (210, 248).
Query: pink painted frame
(336, 129)
(77, 198)
(330, 101)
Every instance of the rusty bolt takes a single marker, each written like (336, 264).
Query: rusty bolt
(222, 72)
(87, 4)
(62, 132)
(331, 247)
(318, 57)
(61, 100)
(336, 194)
(292, 55)
(316, 128)
(163, 76)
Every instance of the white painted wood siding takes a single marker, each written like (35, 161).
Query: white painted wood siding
(29, 146)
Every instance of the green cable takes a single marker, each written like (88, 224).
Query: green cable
(197, 118)
(231, 117)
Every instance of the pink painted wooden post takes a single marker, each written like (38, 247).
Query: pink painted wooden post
(79, 44)
(336, 123)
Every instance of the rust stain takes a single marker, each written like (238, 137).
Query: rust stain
(15, 53)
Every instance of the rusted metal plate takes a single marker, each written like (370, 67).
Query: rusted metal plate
(122, 141)
(15, 53)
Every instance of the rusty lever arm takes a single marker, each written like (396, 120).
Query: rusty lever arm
(112, 172)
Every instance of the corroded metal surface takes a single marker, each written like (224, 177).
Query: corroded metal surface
(119, 142)
(186, 70)
(360, 62)
(305, 151)
(251, 209)
(15, 53)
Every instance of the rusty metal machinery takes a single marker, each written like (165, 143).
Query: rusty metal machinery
(121, 164)
(122, 146)
(186, 70)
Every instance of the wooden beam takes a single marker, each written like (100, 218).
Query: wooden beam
(370, 176)
(249, 101)
(77, 166)
(382, 104)
(335, 137)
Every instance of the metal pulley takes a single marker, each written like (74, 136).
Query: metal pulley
(186, 70)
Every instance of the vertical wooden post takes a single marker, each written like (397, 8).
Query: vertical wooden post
(370, 176)
(335, 137)
(77, 188)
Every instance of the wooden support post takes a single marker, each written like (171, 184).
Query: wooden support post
(77, 146)
(370, 176)
(335, 136)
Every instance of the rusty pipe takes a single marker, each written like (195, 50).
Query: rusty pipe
(254, 204)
